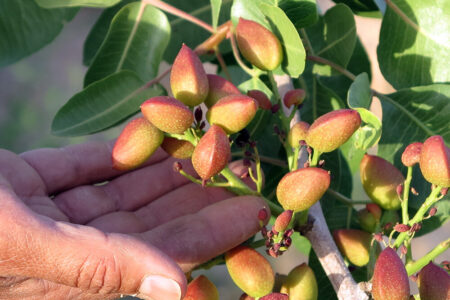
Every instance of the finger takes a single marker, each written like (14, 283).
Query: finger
(188, 199)
(88, 163)
(83, 257)
(196, 238)
(124, 193)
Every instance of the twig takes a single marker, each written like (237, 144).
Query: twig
(423, 261)
(330, 258)
(179, 13)
(335, 66)
(332, 262)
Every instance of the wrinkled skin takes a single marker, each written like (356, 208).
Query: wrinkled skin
(63, 237)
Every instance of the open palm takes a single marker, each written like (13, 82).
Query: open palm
(74, 228)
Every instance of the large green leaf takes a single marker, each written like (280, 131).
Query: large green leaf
(98, 32)
(334, 36)
(25, 28)
(136, 41)
(215, 10)
(249, 10)
(294, 52)
(185, 32)
(302, 13)
(412, 115)
(326, 290)
(72, 3)
(419, 54)
(103, 104)
(360, 98)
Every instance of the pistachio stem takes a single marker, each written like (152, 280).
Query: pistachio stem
(347, 201)
(423, 261)
(335, 66)
(259, 181)
(315, 158)
(295, 159)
(429, 202)
(264, 159)
(405, 216)
(238, 58)
(236, 184)
(179, 13)
(223, 65)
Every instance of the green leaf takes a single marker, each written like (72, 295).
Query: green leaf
(25, 28)
(103, 104)
(360, 98)
(321, 100)
(302, 13)
(294, 52)
(136, 41)
(249, 10)
(72, 3)
(302, 244)
(215, 10)
(413, 56)
(185, 32)
(413, 115)
(334, 36)
(359, 63)
(98, 32)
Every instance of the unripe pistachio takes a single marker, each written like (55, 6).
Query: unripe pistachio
(435, 161)
(258, 45)
(177, 148)
(135, 144)
(299, 190)
(411, 154)
(367, 220)
(333, 129)
(168, 114)
(301, 284)
(219, 87)
(297, 133)
(294, 97)
(380, 180)
(354, 244)
(233, 112)
(434, 283)
(390, 280)
(201, 289)
(188, 79)
(275, 296)
(375, 210)
(211, 153)
(250, 271)
(283, 220)
(261, 98)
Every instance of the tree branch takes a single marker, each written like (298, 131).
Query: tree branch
(325, 248)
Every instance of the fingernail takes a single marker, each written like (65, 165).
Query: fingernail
(160, 287)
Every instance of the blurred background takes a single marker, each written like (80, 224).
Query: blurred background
(32, 90)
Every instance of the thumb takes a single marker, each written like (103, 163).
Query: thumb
(83, 257)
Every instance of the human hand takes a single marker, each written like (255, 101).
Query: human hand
(74, 228)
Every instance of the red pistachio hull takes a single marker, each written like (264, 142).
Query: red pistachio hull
(333, 129)
(390, 280)
(135, 144)
(435, 161)
(299, 190)
(188, 79)
(250, 271)
(168, 114)
(211, 153)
